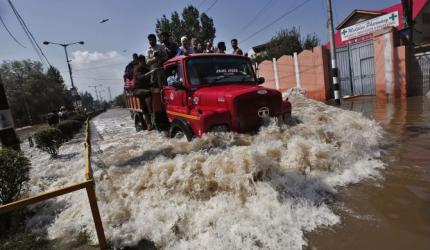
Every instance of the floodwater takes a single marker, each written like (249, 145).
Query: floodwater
(333, 180)
(393, 213)
(222, 191)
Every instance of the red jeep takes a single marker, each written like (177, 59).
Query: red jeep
(210, 92)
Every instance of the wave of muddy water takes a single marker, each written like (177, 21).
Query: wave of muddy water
(223, 191)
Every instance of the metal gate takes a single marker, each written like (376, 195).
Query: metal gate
(356, 69)
(421, 85)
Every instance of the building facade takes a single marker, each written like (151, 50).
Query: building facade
(374, 53)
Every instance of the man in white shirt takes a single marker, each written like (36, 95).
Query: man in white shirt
(156, 56)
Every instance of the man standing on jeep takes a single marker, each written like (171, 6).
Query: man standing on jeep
(156, 56)
(171, 47)
(142, 89)
(128, 72)
(236, 49)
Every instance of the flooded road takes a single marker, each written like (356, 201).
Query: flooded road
(332, 180)
(393, 213)
(221, 191)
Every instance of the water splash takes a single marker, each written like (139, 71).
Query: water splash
(223, 191)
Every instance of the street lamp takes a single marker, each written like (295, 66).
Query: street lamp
(73, 90)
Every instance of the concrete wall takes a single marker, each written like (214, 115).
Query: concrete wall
(313, 69)
(287, 78)
(391, 66)
(265, 69)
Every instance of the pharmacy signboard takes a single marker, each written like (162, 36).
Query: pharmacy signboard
(370, 26)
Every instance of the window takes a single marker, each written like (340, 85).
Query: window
(219, 69)
(174, 74)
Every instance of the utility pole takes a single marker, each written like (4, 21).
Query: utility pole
(8, 136)
(95, 90)
(110, 95)
(70, 67)
(73, 90)
(335, 71)
(408, 20)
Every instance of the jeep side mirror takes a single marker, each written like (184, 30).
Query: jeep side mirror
(260, 80)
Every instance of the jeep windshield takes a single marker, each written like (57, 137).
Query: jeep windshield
(218, 70)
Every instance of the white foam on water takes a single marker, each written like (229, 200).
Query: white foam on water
(223, 191)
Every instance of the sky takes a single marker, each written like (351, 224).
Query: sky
(108, 46)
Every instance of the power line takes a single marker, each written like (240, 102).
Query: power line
(26, 33)
(10, 33)
(210, 7)
(276, 20)
(254, 18)
(29, 34)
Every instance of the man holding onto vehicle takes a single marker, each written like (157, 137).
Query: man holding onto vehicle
(156, 56)
(128, 72)
(236, 49)
(142, 88)
(171, 47)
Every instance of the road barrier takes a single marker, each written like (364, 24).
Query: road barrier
(88, 184)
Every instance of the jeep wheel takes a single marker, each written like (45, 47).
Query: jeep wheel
(179, 132)
(286, 117)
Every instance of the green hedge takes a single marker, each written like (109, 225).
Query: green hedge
(14, 168)
(14, 173)
(69, 128)
(49, 140)
(78, 117)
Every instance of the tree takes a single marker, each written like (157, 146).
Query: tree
(56, 91)
(208, 30)
(311, 40)
(162, 25)
(176, 30)
(54, 75)
(32, 92)
(87, 100)
(119, 101)
(192, 24)
(286, 42)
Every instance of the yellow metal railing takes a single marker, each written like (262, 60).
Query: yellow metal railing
(88, 184)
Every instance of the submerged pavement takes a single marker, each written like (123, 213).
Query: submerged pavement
(394, 213)
(223, 191)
